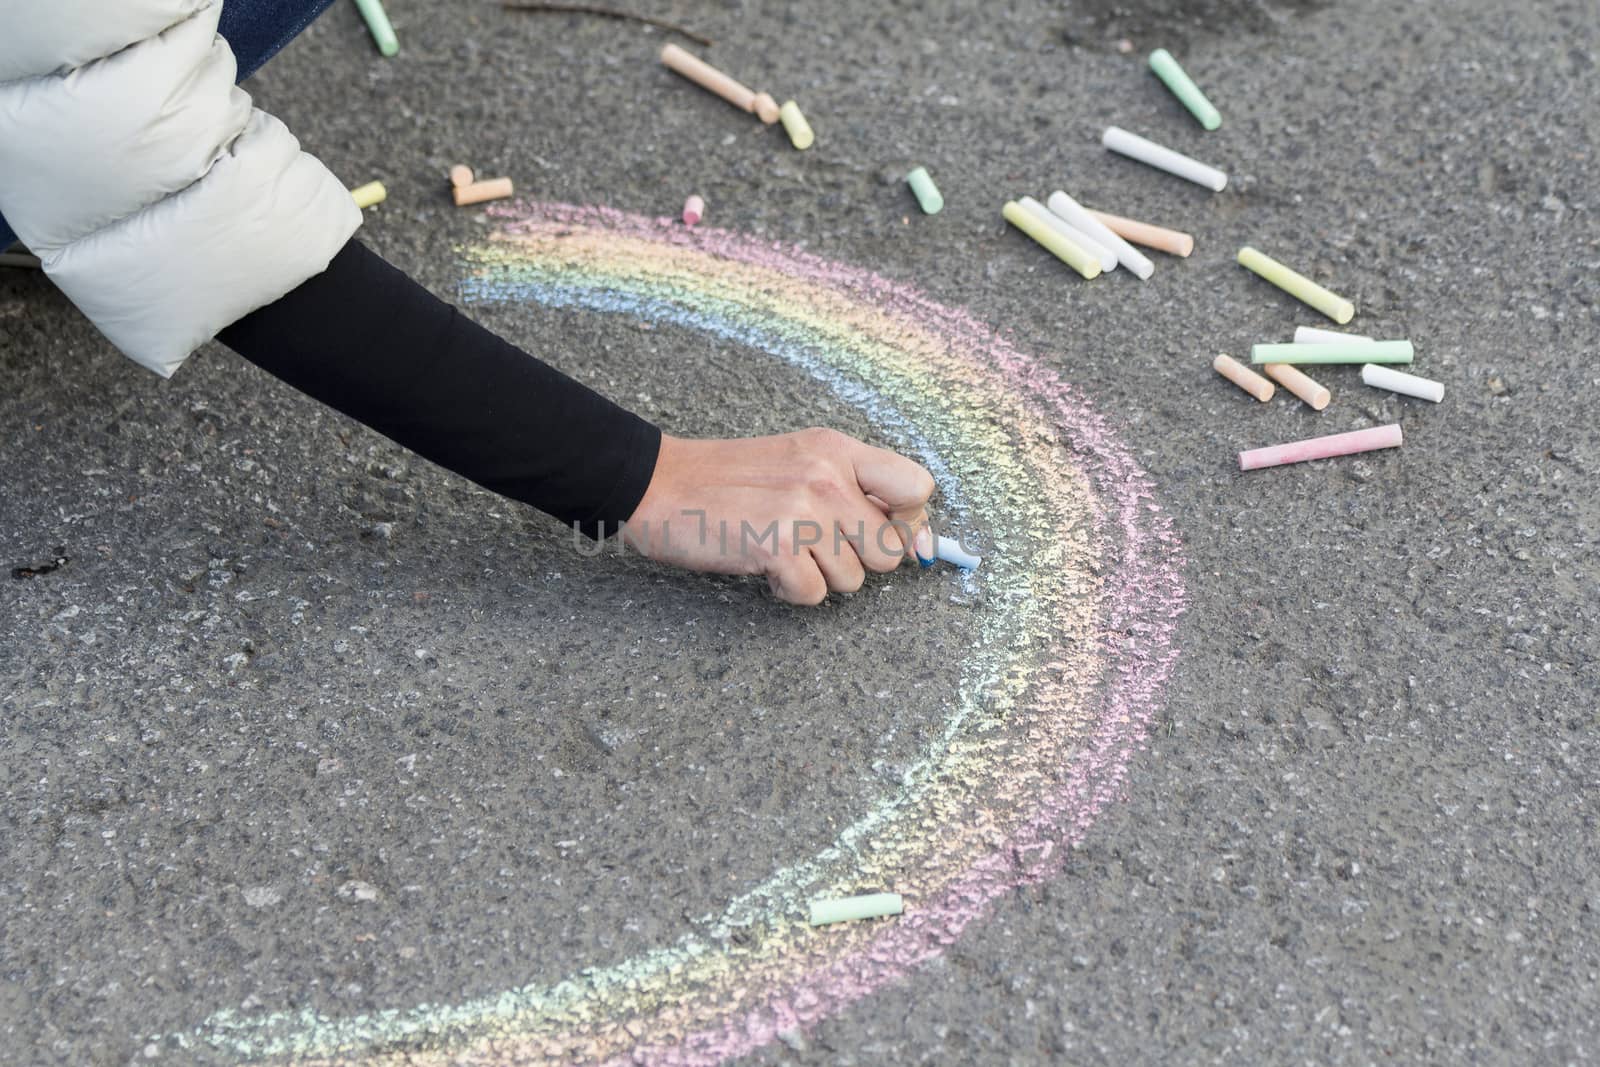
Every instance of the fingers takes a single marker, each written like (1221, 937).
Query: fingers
(878, 541)
(903, 487)
(798, 580)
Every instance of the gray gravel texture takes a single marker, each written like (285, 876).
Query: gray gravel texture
(285, 656)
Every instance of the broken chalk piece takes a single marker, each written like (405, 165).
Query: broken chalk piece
(708, 77)
(949, 549)
(460, 175)
(1244, 377)
(1400, 382)
(927, 193)
(380, 26)
(767, 109)
(1175, 242)
(478, 192)
(795, 124)
(1133, 146)
(1184, 88)
(1335, 444)
(1316, 396)
(869, 906)
(1065, 250)
(1102, 255)
(1331, 352)
(369, 194)
(1315, 335)
(1297, 285)
(1080, 219)
(694, 209)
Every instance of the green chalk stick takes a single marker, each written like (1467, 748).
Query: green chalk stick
(926, 192)
(1337, 352)
(1184, 88)
(378, 23)
(871, 906)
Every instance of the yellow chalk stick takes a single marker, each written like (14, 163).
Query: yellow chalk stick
(369, 194)
(794, 122)
(1298, 286)
(1072, 255)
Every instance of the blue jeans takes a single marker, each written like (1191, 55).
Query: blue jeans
(256, 30)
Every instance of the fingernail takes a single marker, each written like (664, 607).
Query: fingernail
(923, 546)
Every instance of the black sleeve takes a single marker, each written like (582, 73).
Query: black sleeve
(365, 339)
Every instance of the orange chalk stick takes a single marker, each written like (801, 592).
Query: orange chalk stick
(460, 175)
(1244, 378)
(1142, 233)
(1317, 396)
(709, 78)
(478, 192)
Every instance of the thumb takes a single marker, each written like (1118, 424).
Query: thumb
(903, 487)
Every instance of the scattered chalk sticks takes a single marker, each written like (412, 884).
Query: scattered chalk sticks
(1174, 242)
(1184, 88)
(694, 209)
(1145, 151)
(846, 909)
(927, 193)
(1079, 218)
(1064, 249)
(796, 126)
(708, 77)
(1337, 444)
(949, 549)
(1400, 382)
(369, 194)
(1102, 255)
(1315, 396)
(1244, 377)
(1315, 335)
(378, 24)
(1297, 285)
(1331, 352)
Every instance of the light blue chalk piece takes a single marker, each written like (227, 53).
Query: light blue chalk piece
(949, 549)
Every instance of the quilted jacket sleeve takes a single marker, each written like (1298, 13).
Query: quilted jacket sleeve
(160, 201)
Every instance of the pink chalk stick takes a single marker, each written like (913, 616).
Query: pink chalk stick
(693, 209)
(1335, 444)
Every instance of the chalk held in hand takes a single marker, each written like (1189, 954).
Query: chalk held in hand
(846, 909)
(1335, 352)
(478, 192)
(1315, 335)
(1335, 444)
(1065, 250)
(378, 23)
(1244, 377)
(1184, 88)
(1175, 242)
(369, 194)
(1297, 285)
(1080, 219)
(795, 125)
(1316, 396)
(694, 209)
(708, 77)
(1101, 254)
(1400, 382)
(949, 549)
(927, 193)
(1133, 146)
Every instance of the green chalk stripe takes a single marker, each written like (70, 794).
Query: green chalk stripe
(870, 906)
(926, 192)
(1184, 88)
(378, 23)
(1340, 352)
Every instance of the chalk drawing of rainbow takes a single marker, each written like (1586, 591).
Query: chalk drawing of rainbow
(1078, 610)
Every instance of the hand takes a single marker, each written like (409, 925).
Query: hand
(813, 511)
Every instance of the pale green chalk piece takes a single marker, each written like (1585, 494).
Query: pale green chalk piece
(1070, 254)
(1336, 352)
(871, 906)
(1184, 88)
(795, 124)
(926, 192)
(378, 23)
(1298, 286)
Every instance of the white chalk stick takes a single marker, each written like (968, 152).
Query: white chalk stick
(1078, 217)
(1133, 146)
(949, 549)
(1107, 258)
(1400, 382)
(1316, 335)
